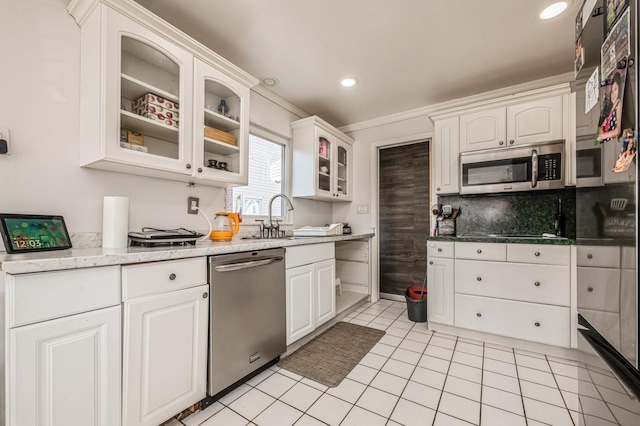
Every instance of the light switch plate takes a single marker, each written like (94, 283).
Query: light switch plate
(362, 209)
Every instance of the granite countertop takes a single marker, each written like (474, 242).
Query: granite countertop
(510, 240)
(92, 257)
(594, 241)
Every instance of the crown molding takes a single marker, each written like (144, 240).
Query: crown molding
(545, 86)
(263, 91)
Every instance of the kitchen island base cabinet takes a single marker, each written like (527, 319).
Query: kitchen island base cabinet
(66, 371)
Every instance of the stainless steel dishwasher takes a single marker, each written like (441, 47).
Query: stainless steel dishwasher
(248, 314)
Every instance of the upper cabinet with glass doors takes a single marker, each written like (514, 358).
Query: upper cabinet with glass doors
(151, 99)
(322, 161)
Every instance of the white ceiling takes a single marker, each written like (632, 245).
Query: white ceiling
(406, 54)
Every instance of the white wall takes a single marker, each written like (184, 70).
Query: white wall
(39, 103)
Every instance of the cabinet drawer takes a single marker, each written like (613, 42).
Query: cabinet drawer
(481, 251)
(515, 281)
(41, 296)
(161, 277)
(312, 253)
(537, 253)
(603, 256)
(528, 321)
(599, 289)
(440, 249)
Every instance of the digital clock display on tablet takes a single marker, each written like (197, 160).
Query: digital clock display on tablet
(31, 233)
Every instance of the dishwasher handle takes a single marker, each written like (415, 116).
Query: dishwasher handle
(230, 267)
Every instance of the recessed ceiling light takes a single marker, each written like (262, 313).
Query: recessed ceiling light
(348, 82)
(553, 10)
(269, 81)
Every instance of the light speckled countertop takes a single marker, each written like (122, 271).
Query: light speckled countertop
(93, 257)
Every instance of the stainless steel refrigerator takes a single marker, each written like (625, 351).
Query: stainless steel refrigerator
(607, 387)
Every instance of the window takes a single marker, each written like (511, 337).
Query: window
(266, 179)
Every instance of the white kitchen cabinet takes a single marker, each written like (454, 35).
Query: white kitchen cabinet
(440, 282)
(534, 121)
(514, 290)
(164, 339)
(606, 283)
(322, 161)
(311, 296)
(446, 150)
(62, 353)
(127, 53)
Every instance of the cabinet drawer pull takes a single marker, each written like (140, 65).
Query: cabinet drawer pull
(188, 166)
(478, 251)
(590, 289)
(536, 253)
(537, 283)
(205, 295)
(431, 262)
(440, 249)
(172, 277)
(437, 189)
(512, 141)
(478, 314)
(478, 278)
(199, 169)
(589, 256)
(537, 324)
(501, 143)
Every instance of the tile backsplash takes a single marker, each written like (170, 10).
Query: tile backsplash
(523, 213)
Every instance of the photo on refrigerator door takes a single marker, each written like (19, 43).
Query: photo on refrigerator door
(611, 115)
(613, 10)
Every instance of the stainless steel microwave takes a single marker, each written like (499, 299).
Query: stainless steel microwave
(520, 168)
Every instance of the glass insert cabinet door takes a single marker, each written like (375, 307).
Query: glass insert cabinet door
(343, 177)
(325, 167)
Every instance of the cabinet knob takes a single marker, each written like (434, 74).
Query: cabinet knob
(537, 283)
(199, 169)
(431, 262)
(511, 142)
(478, 251)
(438, 189)
(537, 324)
(536, 254)
(590, 289)
(205, 295)
(501, 143)
(440, 249)
(172, 277)
(478, 314)
(589, 256)
(188, 166)
(478, 278)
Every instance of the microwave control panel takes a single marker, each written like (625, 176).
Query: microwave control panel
(550, 167)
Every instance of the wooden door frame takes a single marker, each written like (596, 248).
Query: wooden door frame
(375, 199)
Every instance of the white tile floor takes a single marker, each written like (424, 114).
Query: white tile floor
(416, 377)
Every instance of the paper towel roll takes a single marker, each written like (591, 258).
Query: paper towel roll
(115, 222)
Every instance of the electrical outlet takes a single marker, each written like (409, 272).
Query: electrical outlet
(4, 141)
(192, 205)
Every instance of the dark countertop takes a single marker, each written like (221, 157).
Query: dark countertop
(510, 240)
(626, 242)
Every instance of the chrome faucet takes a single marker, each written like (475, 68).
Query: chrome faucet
(277, 226)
